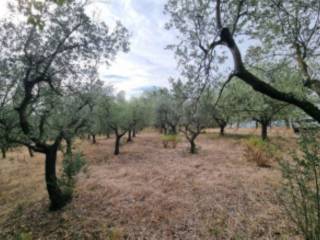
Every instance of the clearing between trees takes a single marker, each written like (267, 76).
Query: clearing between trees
(151, 192)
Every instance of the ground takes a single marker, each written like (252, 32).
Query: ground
(149, 192)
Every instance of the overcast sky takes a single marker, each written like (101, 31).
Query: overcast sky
(147, 64)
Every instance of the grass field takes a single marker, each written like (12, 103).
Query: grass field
(149, 192)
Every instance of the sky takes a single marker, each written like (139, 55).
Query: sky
(148, 63)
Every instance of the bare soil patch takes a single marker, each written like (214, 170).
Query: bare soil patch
(148, 192)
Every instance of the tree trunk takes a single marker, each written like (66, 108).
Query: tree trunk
(257, 124)
(129, 136)
(173, 130)
(57, 198)
(69, 147)
(222, 127)
(4, 152)
(192, 146)
(108, 135)
(134, 132)
(94, 141)
(30, 152)
(264, 130)
(117, 145)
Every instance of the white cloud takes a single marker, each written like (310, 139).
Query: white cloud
(147, 63)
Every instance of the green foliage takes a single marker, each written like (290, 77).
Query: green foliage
(24, 236)
(170, 137)
(300, 194)
(73, 164)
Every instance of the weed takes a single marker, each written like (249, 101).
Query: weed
(259, 151)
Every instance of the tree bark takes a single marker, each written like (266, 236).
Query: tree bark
(134, 133)
(193, 148)
(129, 136)
(94, 141)
(56, 196)
(4, 152)
(222, 127)
(264, 130)
(117, 145)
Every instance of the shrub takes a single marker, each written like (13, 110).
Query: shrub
(72, 165)
(259, 151)
(169, 138)
(300, 193)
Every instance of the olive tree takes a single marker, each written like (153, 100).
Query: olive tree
(192, 107)
(167, 117)
(277, 30)
(117, 118)
(44, 65)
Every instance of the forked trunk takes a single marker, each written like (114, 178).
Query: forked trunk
(56, 196)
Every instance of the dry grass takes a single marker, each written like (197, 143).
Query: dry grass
(148, 192)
